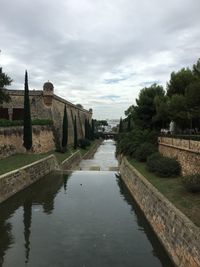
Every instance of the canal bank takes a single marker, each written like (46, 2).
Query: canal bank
(16, 180)
(83, 218)
(179, 236)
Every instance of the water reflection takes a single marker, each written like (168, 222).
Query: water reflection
(27, 227)
(103, 158)
(6, 239)
(143, 225)
(32, 196)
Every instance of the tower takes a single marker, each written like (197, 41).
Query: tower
(48, 91)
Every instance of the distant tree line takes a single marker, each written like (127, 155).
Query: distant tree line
(180, 103)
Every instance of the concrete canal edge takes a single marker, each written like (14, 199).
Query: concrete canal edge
(179, 236)
(15, 181)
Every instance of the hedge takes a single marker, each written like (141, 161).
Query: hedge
(8, 123)
(163, 166)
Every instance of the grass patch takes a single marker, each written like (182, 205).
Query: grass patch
(62, 156)
(173, 189)
(19, 160)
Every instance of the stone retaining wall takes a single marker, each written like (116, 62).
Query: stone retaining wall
(72, 161)
(93, 150)
(11, 140)
(179, 236)
(186, 152)
(14, 181)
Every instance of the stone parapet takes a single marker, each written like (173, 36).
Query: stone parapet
(182, 144)
(186, 152)
(179, 236)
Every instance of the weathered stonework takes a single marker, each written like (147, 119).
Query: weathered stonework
(15, 181)
(179, 236)
(46, 105)
(186, 152)
(11, 140)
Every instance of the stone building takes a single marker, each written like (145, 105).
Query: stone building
(46, 105)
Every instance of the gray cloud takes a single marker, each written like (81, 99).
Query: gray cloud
(92, 49)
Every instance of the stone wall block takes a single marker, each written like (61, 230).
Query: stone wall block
(179, 236)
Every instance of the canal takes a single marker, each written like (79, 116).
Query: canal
(80, 219)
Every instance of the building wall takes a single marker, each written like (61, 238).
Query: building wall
(186, 152)
(45, 105)
(179, 236)
(11, 140)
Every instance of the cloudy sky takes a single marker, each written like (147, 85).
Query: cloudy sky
(99, 53)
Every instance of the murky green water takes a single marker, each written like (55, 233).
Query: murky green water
(85, 218)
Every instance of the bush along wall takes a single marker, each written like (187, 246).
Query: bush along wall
(192, 182)
(163, 166)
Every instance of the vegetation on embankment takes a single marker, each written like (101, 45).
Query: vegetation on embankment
(174, 191)
(19, 160)
(154, 111)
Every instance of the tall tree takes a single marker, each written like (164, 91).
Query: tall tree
(4, 81)
(179, 81)
(129, 124)
(145, 109)
(89, 130)
(86, 129)
(65, 129)
(93, 126)
(75, 134)
(178, 111)
(27, 137)
(120, 126)
(196, 68)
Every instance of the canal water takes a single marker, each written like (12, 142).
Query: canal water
(80, 219)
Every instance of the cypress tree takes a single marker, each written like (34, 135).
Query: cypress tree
(75, 134)
(120, 126)
(92, 129)
(89, 131)
(129, 124)
(86, 129)
(27, 137)
(65, 129)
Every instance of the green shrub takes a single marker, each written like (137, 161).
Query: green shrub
(42, 122)
(8, 123)
(151, 163)
(127, 143)
(192, 182)
(98, 135)
(143, 151)
(167, 167)
(83, 143)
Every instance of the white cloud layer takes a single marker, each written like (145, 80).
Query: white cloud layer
(98, 53)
